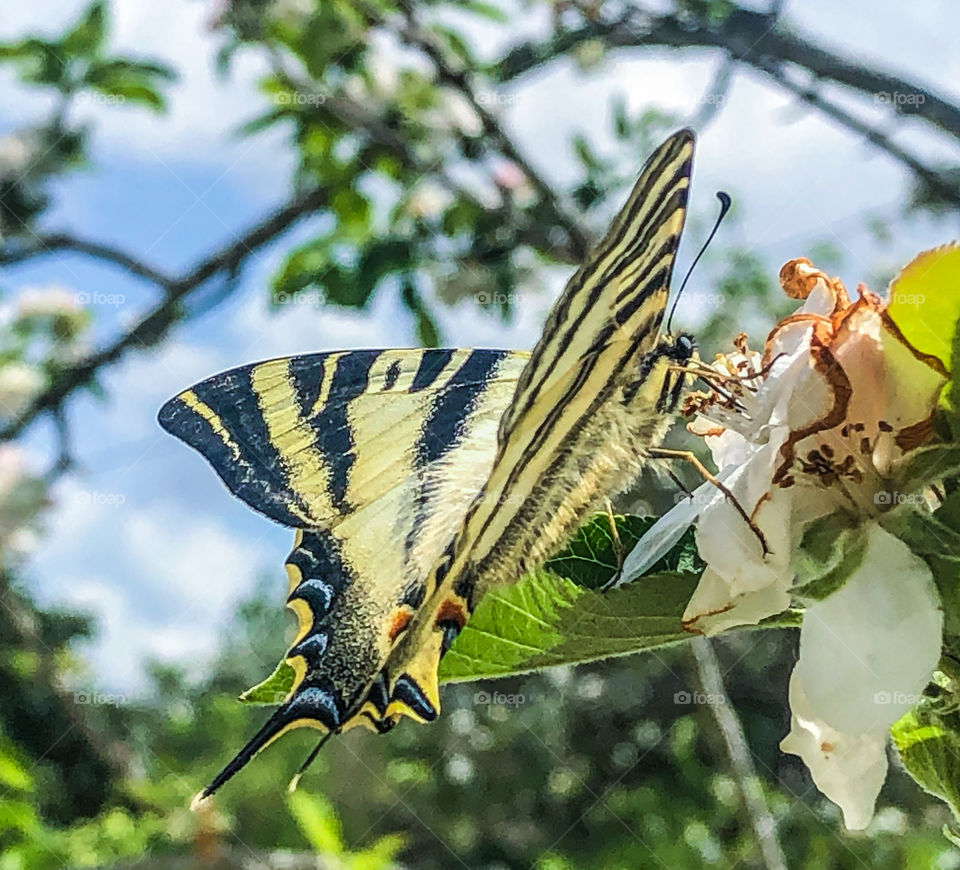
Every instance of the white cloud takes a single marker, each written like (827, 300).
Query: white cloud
(204, 110)
(162, 582)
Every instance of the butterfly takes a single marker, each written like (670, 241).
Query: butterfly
(416, 480)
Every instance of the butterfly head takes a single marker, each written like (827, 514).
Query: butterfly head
(678, 353)
(683, 348)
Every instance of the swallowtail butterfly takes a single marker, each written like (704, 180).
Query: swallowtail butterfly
(416, 480)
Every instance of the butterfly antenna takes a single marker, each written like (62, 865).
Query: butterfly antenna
(292, 787)
(724, 208)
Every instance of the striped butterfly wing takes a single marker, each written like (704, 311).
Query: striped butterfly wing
(373, 457)
(593, 399)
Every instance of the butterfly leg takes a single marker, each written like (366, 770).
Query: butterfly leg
(617, 547)
(679, 483)
(691, 457)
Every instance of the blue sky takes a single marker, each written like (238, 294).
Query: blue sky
(163, 569)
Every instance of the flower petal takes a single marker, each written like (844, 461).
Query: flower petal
(848, 769)
(866, 654)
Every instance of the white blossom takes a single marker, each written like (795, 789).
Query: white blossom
(22, 496)
(811, 430)
(16, 153)
(54, 300)
(429, 200)
(20, 382)
(866, 653)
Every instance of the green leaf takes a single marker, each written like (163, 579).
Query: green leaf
(86, 37)
(135, 93)
(486, 10)
(317, 820)
(591, 557)
(129, 82)
(303, 266)
(926, 465)
(381, 855)
(830, 551)
(546, 620)
(40, 61)
(925, 302)
(558, 616)
(13, 773)
(274, 688)
(925, 533)
(929, 747)
(936, 539)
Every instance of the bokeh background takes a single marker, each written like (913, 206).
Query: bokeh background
(189, 186)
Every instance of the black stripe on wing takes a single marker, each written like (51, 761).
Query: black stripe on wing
(443, 428)
(334, 437)
(221, 419)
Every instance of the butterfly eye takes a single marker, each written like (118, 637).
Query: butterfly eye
(686, 346)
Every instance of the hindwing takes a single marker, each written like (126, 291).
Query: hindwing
(593, 399)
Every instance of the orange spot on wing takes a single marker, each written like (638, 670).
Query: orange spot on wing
(451, 611)
(401, 619)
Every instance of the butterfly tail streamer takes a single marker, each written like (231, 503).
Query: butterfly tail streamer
(295, 781)
(286, 717)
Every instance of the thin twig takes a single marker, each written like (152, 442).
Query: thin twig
(461, 80)
(942, 185)
(526, 230)
(753, 38)
(49, 243)
(157, 321)
(741, 765)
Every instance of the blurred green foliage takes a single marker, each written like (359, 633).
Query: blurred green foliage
(602, 766)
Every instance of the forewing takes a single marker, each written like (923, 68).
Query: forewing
(574, 398)
(584, 411)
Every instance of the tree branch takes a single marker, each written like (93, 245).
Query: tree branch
(157, 322)
(41, 245)
(527, 231)
(753, 38)
(943, 185)
(461, 80)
